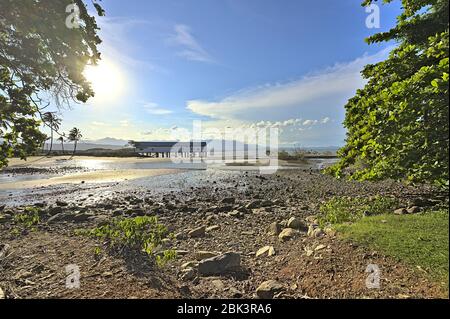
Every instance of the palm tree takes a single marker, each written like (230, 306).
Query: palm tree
(53, 122)
(74, 136)
(61, 139)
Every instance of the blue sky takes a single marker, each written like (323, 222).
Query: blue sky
(230, 63)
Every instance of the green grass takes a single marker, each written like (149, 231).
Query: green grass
(350, 209)
(420, 240)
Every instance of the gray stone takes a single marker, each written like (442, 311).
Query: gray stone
(268, 289)
(413, 209)
(400, 211)
(287, 234)
(296, 223)
(253, 204)
(274, 229)
(197, 232)
(221, 264)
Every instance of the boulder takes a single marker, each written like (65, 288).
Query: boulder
(219, 265)
(296, 223)
(268, 289)
(274, 229)
(287, 234)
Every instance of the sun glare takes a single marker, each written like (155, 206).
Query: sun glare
(106, 80)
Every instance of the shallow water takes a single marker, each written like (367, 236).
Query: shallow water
(106, 164)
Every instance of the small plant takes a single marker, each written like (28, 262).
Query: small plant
(29, 218)
(344, 209)
(141, 234)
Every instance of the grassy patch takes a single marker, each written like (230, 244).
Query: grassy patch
(350, 209)
(140, 234)
(27, 219)
(420, 240)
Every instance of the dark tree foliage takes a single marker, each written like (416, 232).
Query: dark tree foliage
(40, 55)
(397, 125)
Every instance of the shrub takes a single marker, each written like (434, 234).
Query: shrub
(138, 234)
(29, 218)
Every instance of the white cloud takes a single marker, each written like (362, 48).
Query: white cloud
(325, 120)
(190, 48)
(155, 109)
(310, 94)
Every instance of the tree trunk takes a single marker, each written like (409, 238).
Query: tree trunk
(74, 148)
(51, 142)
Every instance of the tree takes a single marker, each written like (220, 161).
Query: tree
(40, 57)
(61, 139)
(74, 136)
(397, 125)
(53, 122)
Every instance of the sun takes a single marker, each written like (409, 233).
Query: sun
(106, 79)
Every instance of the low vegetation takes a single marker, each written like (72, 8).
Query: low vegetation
(142, 234)
(28, 219)
(350, 209)
(420, 240)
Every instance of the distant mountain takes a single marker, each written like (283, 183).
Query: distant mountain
(109, 141)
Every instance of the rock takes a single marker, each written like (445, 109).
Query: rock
(203, 254)
(274, 229)
(55, 210)
(235, 213)
(197, 232)
(81, 217)
(253, 204)
(268, 289)
(312, 219)
(212, 228)
(2, 294)
(317, 232)
(56, 217)
(296, 223)
(188, 274)
(189, 264)
(329, 231)
(61, 203)
(180, 236)
(400, 211)
(235, 293)
(228, 200)
(181, 252)
(266, 250)
(287, 234)
(413, 209)
(319, 247)
(218, 284)
(221, 264)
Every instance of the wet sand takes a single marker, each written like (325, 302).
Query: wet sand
(100, 176)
